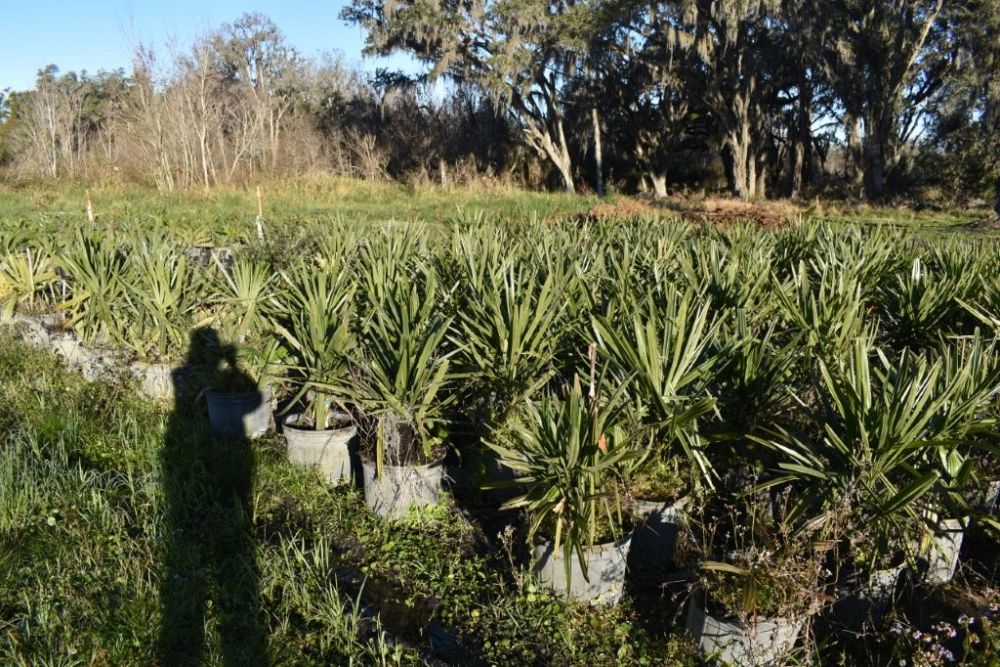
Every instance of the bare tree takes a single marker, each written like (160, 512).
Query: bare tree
(269, 71)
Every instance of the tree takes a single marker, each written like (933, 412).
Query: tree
(964, 119)
(255, 56)
(6, 122)
(521, 52)
(734, 40)
(885, 59)
(645, 83)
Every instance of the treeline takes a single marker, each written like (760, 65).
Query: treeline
(874, 99)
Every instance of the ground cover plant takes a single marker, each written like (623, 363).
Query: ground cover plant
(822, 396)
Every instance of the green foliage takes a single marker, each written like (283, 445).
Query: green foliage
(924, 303)
(315, 320)
(404, 369)
(508, 333)
(565, 451)
(24, 277)
(99, 287)
(162, 294)
(662, 353)
(243, 302)
(865, 472)
(825, 305)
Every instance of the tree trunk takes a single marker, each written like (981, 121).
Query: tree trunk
(874, 160)
(760, 181)
(744, 164)
(659, 181)
(803, 139)
(744, 171)
(854, 164)
(565, 167)
(598, 157)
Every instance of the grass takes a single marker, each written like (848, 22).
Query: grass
(319, 198)
(130, 535)
(315, 198)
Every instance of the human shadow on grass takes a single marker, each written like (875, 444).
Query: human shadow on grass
(210, 582)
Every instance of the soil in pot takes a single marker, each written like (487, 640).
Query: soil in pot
(764, 641)
(326, 450)
(243, 414)
(408, 479)
(606, 564)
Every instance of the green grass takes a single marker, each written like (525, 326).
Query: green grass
(318, 198)
(304, 199)
(129, 535)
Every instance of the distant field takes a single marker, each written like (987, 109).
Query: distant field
(288, 201)
(321, 198)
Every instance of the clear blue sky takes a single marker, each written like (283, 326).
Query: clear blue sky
(100, 34)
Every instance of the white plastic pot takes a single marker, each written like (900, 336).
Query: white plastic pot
(605, 579)
(326, 450)
(763, 642)
(943, 549)
(401, 487)
(655, 537)
(246, 413)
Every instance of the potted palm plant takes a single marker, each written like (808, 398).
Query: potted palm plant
(566, 452)
(507, 335)
(237, 380)
(400, 382)
(868, 461)
(314, 320)
(243, 302)
(757, 585)
(161, 295)
(662, 354)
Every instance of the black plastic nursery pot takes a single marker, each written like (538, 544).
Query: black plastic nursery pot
(606, 565)
(245, 414)
(326, 450)
(764, 641)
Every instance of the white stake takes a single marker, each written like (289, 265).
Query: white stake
(260, 217)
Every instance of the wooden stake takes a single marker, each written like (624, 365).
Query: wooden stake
(260, 217)
(592, 353)
(90, 208)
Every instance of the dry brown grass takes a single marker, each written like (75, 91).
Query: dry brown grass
(711, 210)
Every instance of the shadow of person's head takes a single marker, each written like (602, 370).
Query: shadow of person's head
(218, 362)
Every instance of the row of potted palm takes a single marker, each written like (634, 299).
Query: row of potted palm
(766, 390)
